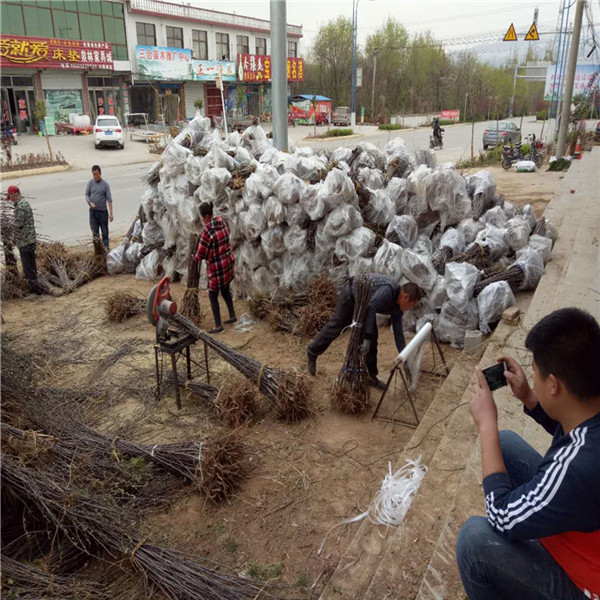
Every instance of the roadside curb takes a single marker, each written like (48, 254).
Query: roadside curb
(40, 171)
(335, 137)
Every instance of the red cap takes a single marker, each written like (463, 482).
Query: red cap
(12, 189)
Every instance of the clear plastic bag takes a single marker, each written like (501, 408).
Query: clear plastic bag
(361, 242)
(296, 271)
(402, 230)
(529, 215)
(274, 213)
(150, 267)
(509, 210)
(295, 240)
(418, 182)
(275, 158)
(312, 202)
(289, 188)
(397, 190)
(360, 266)
(370, 178)
(295, 215)
(262, 282)
(233, 138)
(532, 265)
(543, 245)
(273, 241)
(518, 232)
(255, 140)
(341, 154)
(492, 302)
(368, 156)
(524, 166)
(495, 239)
(454, 240)
(336, 189)
(252, 222)
(438, 294)
(260, 185)
(115, 260)
(194, 131)
(447, 193)
(482, 186)
(461, 279)
(495, 216)
(174, 158)
(195, 168)
(152, 234)
(342, 220)
(219, 159)
(419, 269)
(307, 168)
(380, 209)
(243, 158)
(403, 159)
(388, 259)
(470, 228)
(423, 245)
(133, 254)
(451, 324)
(213, 187)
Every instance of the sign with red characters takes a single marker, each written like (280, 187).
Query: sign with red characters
(258, 68)
(46, 53)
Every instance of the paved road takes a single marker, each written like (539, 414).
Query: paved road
(58, 199)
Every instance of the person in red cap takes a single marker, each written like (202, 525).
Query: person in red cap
(24, 237)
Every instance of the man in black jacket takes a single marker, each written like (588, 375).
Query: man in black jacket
(387, 298)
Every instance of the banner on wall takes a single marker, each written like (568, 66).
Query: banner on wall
(586, 81)
(61, 103)
(208, 70)
(450, 114)
(46, 53)
(154, 62)
(256, 67)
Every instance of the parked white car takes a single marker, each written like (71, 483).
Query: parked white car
(108, 132)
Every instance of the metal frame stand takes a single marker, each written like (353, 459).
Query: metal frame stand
(397, 367)
(176, 346)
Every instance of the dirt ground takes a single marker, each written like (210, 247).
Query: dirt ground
(304, 478)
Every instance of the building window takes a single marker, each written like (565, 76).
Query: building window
(199, 44)
(243, 45)
(146, 34)
(293, 49)
(174, 37)
(222, 46)
(261, 46)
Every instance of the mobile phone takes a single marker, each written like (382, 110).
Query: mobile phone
(495, 376)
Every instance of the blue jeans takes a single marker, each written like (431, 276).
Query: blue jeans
(492, 568)
(99, 221)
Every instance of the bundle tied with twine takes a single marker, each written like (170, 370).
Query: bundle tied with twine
(514, 276)
(350, 389)
(476, 255)
(288, 393)
(190, 306)
(237, 401)
(122, 305)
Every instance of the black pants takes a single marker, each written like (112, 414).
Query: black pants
(99, 221)
(30, 268)
(342, 317)
(214, 304)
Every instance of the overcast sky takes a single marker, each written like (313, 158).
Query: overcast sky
(446, 19)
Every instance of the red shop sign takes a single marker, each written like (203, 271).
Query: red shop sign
(47, 53)
(258, 68)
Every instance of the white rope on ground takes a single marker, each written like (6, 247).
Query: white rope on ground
(393, 498)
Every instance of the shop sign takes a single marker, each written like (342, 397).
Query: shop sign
(46, 53)
(255, 67)
(208, 70)
(154, 62)
(585, 83)
(450, 114)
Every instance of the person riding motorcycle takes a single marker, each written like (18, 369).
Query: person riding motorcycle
(437, 130)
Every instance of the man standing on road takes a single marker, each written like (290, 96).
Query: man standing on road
(24, 237)
(97, 195)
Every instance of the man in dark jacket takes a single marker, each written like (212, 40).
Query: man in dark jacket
(437, 130)
(24, 237)
(387, 298)
(99, 199)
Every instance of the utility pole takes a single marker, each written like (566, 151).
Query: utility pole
(373, 86)
(572, 67)
(512, 99)
(279, 77)
(354, 61)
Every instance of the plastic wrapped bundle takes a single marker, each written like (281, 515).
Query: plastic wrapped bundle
(307, 168)
(532, 265)
(252, 255)
(275, 158)
(252, 222)
(149, 198)
(461, 279)
(262, 283)
(312, 202)
(361, 242)
(273, 241)
(547, 229)
(219, 159)
(193, 132)
(295, 215)
(495, 216)
(189, 215)
(481, 187)
(243, 158)
(296, 271)
(368, 155)
(423, 311)
(274, 213)
(174, 158)
(387, 260)
(195, 168)
(255, 140)
(438, 294)
(543, 245)
(399, 160)
(233, 138)
(447, 193)
(509, 210)
(276, 270)
(402, 230)
(360, 266)
(518, 232)
(236, 236)
(341, 154)
(152, 234)
(295, 240)
(451, 324)
(397, 190)
(289, 188)
(115, 259)
(150, 267)
(260, 185)
(336, 189)
(370, 178)
(419, 269)
(342, 220)
(213, 187)
(380, 209)
(495, 239)
(454, 240)
(492, 302)
(418, 182)
(423, 245)
(470, 228)
(529, 215)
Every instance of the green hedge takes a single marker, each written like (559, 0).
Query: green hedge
(338, 132)
(448, 122)
(542, 115)
(389, 127)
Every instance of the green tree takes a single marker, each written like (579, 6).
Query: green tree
(39, 112)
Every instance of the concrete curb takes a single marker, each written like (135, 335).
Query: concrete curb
(333, 138)
(40, 171)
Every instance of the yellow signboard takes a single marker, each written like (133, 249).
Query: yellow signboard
(532, 34)
(511, 34)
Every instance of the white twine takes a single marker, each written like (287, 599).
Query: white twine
(353, 324)
(153, 449)
(393, 498)
(200, 462)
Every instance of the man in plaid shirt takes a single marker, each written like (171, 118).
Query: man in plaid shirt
(215, 249)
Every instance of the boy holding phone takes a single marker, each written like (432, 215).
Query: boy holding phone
(541, 538)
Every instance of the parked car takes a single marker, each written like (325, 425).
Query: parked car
(341, 116)
(506, 132)
(108, 132)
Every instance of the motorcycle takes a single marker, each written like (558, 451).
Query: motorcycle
(10, 133)
(512, 154)
(435, 142)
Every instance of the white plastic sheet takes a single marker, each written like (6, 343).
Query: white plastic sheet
(518, 232)
(496, 239)
(532, 263)
(495, 216)
(114, 260)
(397, 190)
(380, 209)
(388, 259)
(361, 242)
(493, 300)
(451, 324)
(470, 228)
(454, 240)
(543, 245)
(150, 267)
(461, 279)
(342, 220)
(419, 269)
(402, 230)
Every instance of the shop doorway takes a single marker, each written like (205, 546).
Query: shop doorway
(18, 102)
(214, 107)
(143, 100)
(254, 104)
(105, 97)
(170, 102)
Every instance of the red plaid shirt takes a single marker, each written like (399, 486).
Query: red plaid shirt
(215, 249)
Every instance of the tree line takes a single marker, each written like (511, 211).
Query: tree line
(413, 75)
